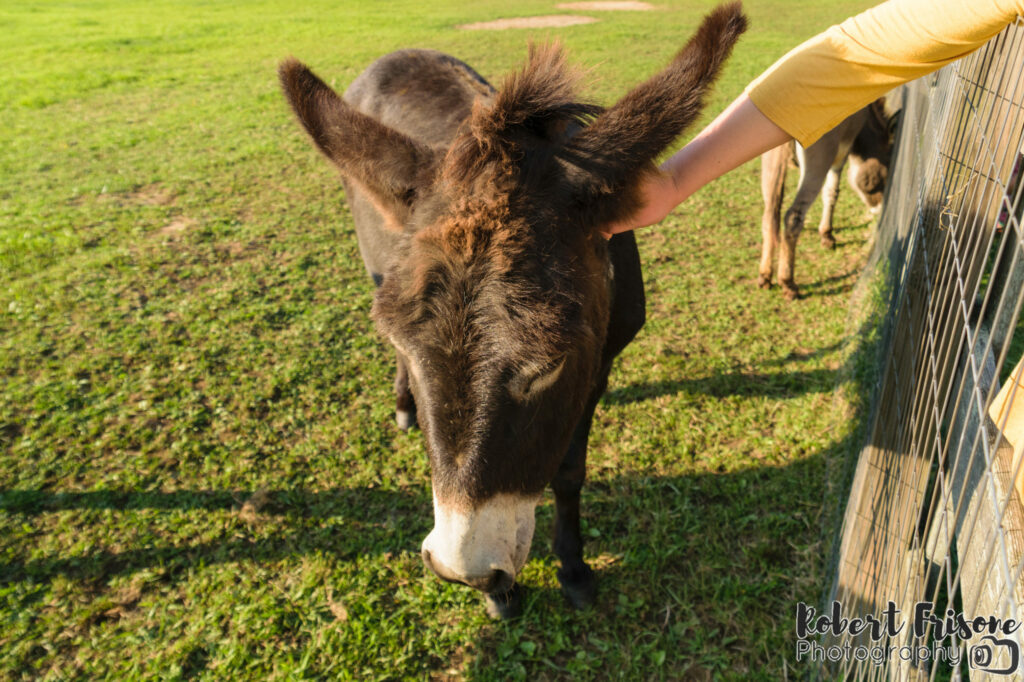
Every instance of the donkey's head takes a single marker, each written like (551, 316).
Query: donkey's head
(499, 303)
(871, 152)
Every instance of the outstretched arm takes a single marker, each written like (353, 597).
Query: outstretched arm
(740, 133)
(821, 82)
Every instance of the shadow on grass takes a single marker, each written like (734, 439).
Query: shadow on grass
(804, 356)
(856, 228)
(842, 283)
(291, 502)
(723, 384)
(365, 521)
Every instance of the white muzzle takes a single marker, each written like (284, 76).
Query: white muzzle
(484, 547)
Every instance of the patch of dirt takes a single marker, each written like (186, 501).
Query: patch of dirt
(152, 195)
(251, 509)
(337, 607)
(176, 226)
(611, 6)
(148, 195)
(549, 21)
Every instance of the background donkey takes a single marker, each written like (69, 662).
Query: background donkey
(865, 138)
(477, 213)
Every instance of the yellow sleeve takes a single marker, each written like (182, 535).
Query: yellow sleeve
(818, 84)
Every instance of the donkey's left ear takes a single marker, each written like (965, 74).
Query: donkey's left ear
(607, 160)
(389, 166)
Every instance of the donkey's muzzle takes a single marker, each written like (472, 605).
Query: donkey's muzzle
(483, 545)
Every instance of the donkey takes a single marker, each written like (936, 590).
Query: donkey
(865, 139)
(478, 213)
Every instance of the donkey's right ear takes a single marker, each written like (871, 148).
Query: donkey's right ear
(389, 166)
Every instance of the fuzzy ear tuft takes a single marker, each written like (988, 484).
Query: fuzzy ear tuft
(532, 110)
(543, 91)
(389, 166)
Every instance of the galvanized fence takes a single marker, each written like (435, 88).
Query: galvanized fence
(933, 532)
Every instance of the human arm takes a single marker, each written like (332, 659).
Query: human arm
(817, 85)
(740, 133)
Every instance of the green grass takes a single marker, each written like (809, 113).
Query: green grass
(199, 472)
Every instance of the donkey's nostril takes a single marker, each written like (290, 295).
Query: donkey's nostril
(438, 569)
(503, 582)
(498, 582)
(430, 564)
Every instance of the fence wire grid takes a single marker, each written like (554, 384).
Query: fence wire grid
(934, 513)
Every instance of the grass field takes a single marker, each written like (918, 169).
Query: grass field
(199, 472)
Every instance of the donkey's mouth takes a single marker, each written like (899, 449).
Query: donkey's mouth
(495, 582)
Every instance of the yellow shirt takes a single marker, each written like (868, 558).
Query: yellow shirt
(818, 84)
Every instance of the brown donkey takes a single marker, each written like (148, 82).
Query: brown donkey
(865, 138)
(478, 215)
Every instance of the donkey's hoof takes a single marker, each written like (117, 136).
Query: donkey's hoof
(505, 606)
(579, 586)
(828, 241)
(764, 281)
(790, 291)
(406, 419)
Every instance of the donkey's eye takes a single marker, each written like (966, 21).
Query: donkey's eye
(533, 379)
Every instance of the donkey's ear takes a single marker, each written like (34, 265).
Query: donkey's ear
(388, 165)
(608, 158)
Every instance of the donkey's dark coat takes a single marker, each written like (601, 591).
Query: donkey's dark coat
(477, 213)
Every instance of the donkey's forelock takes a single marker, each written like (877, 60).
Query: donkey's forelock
(532, 110)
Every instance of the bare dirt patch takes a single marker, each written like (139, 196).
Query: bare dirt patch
(147, 195)
(610, 6)
(152, 195)
(553, 20)
(176, 226)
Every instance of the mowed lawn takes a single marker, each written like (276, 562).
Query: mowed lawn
(200, 476)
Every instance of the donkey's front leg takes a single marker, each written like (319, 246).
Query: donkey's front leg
(578, 581)
(829, 195)
(773, 182)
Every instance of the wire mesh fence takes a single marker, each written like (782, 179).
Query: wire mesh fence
(927, 581)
